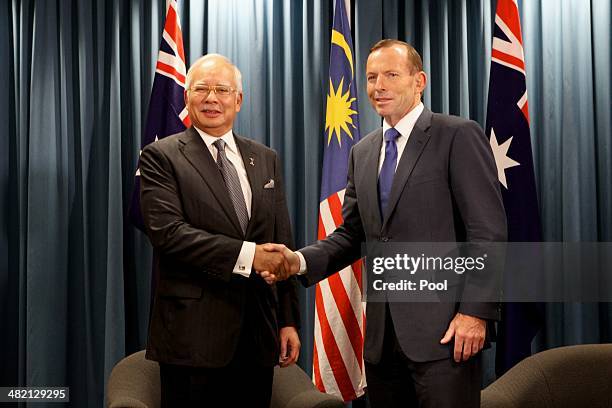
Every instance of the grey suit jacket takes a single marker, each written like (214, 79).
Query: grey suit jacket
(201, 307)
(445, 189)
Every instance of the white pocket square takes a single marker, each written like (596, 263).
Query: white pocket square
(269, 184)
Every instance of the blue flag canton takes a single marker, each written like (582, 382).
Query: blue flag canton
(165, 107)
(167, 100)
(166, 114)
(342, 117)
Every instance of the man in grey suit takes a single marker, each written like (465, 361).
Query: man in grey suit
(436, 182)
(210, 199)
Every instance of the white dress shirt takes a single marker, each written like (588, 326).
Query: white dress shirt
(244, 263)
(404, 127)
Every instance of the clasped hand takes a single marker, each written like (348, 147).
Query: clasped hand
(275, 262)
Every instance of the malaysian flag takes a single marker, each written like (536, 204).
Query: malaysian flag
(167, 113)
(339, 312)
(508, 131)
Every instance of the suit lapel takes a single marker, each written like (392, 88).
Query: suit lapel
(371, 179)
(254, 167)
(412, 152)
(199, 156)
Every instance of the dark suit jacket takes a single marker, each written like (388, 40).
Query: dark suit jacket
(201, 307)
(445, 189)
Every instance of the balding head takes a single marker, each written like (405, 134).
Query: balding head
(214, 60)
(213, 94)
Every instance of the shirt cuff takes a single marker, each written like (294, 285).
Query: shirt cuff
(302, 270)
(244, 263)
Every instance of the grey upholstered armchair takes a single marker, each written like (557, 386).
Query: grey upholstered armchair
(134, 383)
(572, 377)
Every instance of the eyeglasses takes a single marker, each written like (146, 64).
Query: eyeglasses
(205, 90)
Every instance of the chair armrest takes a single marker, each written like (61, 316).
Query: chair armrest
(292, 388)
(134, 383)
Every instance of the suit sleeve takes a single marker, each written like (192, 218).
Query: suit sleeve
(289, 314)
(475, 188)
(343, 246)
(166, 225)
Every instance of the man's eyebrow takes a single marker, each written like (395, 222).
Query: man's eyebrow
(206, 83)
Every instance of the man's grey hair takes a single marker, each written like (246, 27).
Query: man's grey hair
(207, 57)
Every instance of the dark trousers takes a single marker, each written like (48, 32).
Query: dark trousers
(396, 381)
(244, 382)
(236, 385)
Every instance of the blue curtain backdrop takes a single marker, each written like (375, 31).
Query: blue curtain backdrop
(74, 275)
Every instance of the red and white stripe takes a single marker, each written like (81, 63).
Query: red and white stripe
(510, 53)
(339, 319)
(524, 105)
(172, 65)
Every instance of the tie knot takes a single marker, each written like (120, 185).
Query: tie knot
(220, 145)
(391, 135)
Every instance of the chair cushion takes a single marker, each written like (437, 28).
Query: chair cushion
(575, 376)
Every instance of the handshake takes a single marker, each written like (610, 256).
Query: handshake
(275, 262)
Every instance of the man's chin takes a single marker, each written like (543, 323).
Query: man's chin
(212, 123)
(382, 112)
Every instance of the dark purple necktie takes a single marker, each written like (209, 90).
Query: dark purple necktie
(387, 171)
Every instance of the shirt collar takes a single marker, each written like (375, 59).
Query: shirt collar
(228, 138)
(406, 124)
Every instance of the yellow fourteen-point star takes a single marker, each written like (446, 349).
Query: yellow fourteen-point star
(339, 113)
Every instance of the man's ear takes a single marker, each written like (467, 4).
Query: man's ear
(421, 81)
(238, 101)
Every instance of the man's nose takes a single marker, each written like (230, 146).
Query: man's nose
(211, 97)
(379, 85)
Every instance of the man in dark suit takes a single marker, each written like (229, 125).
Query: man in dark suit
(436, 181)
(210, 198)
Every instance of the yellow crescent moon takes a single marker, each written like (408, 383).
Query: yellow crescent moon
(338, 39)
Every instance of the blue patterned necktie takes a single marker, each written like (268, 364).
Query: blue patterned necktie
(387, 171)
(230, 176)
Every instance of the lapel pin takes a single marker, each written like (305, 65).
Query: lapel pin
(252, 161)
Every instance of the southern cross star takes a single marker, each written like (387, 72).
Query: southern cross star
(502, 161)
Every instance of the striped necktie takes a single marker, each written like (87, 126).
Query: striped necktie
(230, 176)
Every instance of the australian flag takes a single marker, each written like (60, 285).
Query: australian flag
(508, 131)
(339, 314)
(167, 113)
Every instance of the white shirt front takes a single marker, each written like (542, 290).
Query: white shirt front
(244, 263)
(404, 127)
